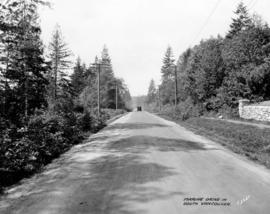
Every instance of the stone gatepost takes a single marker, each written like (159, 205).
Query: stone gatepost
(242, 103)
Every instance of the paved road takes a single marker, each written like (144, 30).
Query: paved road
(144, 164)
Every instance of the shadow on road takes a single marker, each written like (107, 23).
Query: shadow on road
(141, 144)
(107, 184)
(106, 176)
(135, 126)
(117, 181)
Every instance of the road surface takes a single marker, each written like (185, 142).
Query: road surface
(144, 164)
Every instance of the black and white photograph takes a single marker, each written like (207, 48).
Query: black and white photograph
(134, 107)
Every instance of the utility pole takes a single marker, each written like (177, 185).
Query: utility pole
(176, 86)
(159, 102)
(98, 66)
(6, 84)
(26, 85)
(98, 86)
(116, 95)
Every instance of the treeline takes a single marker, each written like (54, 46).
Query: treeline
(114, 93)
(43, 109)
(213, 75)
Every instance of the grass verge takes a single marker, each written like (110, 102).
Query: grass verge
(246, 140)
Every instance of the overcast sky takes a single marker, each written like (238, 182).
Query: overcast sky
(137, 32)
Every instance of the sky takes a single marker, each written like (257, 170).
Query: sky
(138, 32)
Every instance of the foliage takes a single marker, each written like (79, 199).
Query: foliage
(78, 77)
(246, 59)
(168, 62)
(241, 22)
(205, 72)
(59, 55)
(85, 121)
(84, 81)
(152, 93)
(218, 72)
(23, 65)
(183, 111)
(167, 71)
(43, 110)
(48, 134)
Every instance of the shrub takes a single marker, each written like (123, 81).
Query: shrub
(110, 113)
(183, 111)
(45, 138)
(70, 128)
(25, 150)
(99, 123)
(85, 121)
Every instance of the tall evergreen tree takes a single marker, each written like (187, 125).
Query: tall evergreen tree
(88, 96)
(25, 65)
(105, 57)
(78, 77)
(167, 71)
(7, 43)
(123, 95)
(106, 62)
(59, 55)
(183, 60)
(247, 66)
(152, 92)
(241, 22)
(168, 62)
(205, 71)
(107, 80)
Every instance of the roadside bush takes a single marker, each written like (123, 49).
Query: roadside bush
(25, 150)
(71, 129)
(110, 113)
(48, 131)
(100, 122)
(21, 155)
(85, 121)
(45, 138)
(106, 114)
(187, 109)
(183, 111)
(17, 161)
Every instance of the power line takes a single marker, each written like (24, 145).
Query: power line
(253, 5)
(207, 20)
(250, 2)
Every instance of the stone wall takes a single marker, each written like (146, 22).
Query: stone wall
(255, 112)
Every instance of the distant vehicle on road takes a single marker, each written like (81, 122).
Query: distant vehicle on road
(139, 108)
